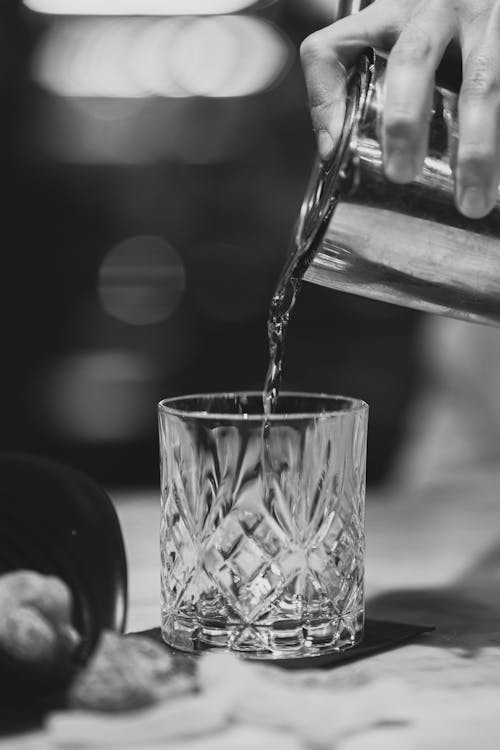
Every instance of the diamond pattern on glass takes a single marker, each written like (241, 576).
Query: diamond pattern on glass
(263, 559)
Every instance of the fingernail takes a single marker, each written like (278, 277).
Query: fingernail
(473, 202)
(400, 166)
(325, 145)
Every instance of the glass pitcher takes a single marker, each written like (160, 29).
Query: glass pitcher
(408, 245)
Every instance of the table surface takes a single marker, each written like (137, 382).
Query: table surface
(433, 558)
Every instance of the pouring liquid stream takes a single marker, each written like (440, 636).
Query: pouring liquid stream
(281, 308)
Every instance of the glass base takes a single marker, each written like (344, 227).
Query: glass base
(283, 640)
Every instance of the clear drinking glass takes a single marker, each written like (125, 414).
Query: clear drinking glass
(262, 533)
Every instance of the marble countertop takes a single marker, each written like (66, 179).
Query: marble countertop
(433, 558)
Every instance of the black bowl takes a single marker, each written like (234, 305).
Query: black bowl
(58, 521)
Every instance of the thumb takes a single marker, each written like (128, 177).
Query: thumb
(327, 54)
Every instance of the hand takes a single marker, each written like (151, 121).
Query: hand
(417, 33)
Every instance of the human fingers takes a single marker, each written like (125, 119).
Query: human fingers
(409, 86)
(478, 156)
(328, 53)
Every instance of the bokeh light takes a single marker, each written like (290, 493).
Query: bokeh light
(90, 58)
(141, 280)
(100, 396)
(137, 7)
(229, 56)
(152, 56)
(223, 56)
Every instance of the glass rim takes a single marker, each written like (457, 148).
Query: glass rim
(167, 406)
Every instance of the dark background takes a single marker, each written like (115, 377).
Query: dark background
(195, 196)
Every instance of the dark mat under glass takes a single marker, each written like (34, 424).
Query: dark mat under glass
(380, 635)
